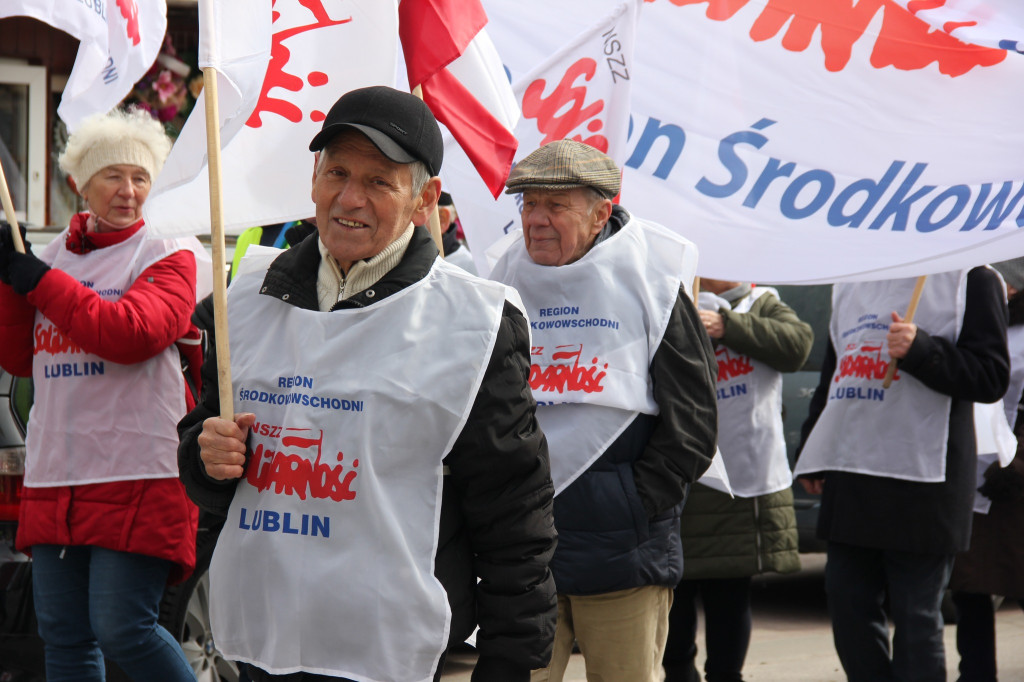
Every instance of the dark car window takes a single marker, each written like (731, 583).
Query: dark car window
(813, 304)
(21, 401)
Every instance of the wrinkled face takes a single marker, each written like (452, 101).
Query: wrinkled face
(364, 200)
(115, 194)
(559, 226)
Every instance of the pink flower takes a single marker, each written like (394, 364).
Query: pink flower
(166, 114)
(165, 86)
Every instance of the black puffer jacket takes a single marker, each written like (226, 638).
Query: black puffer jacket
(618, 523)
(496, 511)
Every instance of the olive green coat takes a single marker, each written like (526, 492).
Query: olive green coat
(725, 537)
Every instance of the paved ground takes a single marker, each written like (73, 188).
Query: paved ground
(792, 640)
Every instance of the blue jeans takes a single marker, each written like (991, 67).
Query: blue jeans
(93, 602)
(856, 582)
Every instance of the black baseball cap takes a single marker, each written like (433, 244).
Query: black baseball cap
(398, 123)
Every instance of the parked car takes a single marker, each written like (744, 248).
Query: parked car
(184, 610)
(813, 304)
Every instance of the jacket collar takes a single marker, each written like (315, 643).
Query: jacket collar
(79, 240)
(292, 275)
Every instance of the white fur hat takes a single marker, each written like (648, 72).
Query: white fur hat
(120, 137)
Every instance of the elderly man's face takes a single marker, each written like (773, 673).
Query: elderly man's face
(560, 225)
(364, 200)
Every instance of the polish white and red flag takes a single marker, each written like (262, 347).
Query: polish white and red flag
(281, 65)
(992, 23)
(450, 57)
(118, 42)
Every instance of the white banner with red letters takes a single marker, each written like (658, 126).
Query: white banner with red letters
(118, 41)
(318, 51)
(800, 140)
(581, 91)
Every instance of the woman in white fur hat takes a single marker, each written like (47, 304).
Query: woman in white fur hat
(94, 319)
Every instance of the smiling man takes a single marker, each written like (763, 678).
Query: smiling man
(369, 481)
(622, 373)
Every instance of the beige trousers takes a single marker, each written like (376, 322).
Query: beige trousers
(620, 634)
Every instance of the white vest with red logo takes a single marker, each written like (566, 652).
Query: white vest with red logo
(750, 433)
(595, 326)
(896, 432)
(139, 405)
(326, 560)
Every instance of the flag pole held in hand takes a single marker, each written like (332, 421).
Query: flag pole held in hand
(220, 298)
(12, 218)
(911, 309)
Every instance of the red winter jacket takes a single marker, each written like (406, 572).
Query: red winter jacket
(151, 516)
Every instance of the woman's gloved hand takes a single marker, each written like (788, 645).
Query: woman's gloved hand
(21, 270)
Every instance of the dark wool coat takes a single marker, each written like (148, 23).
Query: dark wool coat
(911, 516)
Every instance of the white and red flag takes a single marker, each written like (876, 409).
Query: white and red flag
(450, 57)
(118, 42)
(582, 92)
(993, 23)
(318, 50)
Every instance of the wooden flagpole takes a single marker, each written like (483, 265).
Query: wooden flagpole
(434, 222)
(220, 300)
(908, 318)
(12, 217)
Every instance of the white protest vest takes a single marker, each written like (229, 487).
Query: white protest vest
(595, 326)
(899, 432)
(750, 433)
(325, 563)
(140, 403)
(1015, 343)
(464, 259)
(993, 422)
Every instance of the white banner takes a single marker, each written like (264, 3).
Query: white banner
(807, 141)
(318, 51)
(118, 42)
(582, 92)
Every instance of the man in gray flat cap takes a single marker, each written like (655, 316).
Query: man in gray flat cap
(622, 373)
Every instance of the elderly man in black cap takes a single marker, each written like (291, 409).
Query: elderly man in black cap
(622, 373)
(367, 481)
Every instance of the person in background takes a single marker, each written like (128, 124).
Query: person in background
(622, 374)
(896, 466)
(370, 480)
(278, 236)
(993, 566)
(727, 538)
(455, 251)
(93, 319)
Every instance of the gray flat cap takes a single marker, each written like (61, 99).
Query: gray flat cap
(565, 164)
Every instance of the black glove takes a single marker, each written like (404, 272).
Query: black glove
(24, 270)
(7, 247)
(1002, 484)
